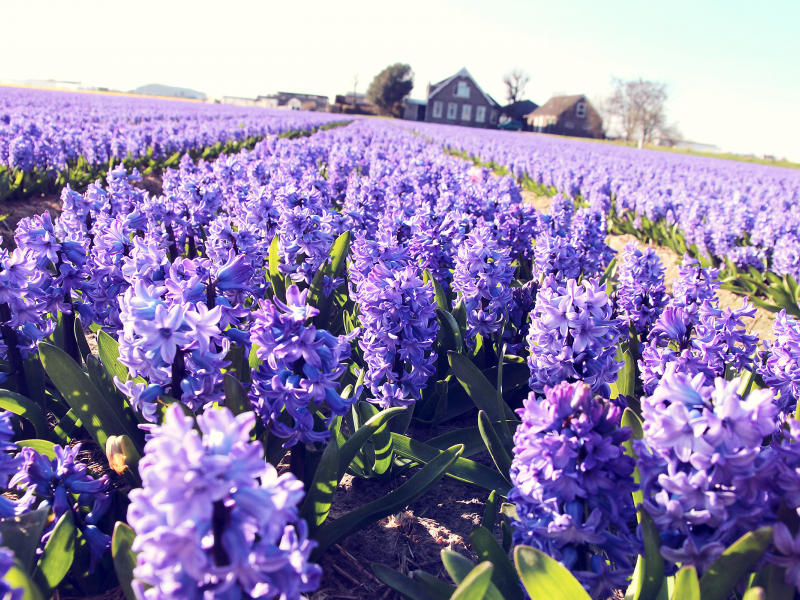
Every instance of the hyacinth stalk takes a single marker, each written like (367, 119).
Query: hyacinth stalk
(572, 336)
(213, 519)
(573, 483)
(299, 369)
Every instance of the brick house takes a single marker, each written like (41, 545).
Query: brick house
(567, 115)
(459, 100)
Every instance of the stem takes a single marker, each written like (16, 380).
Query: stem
(173, 245)
(178, 373)
(211, 294)
(14, 355)
(297, 460)
(192, 247)
(220, 521)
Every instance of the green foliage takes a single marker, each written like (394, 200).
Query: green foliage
(390, 87)
(543, 577)
(740, 558)
(57, 557)
(686, 585)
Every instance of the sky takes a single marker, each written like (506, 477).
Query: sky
(732, 68)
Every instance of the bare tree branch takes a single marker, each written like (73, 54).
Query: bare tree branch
(640, 107)
(516, 81)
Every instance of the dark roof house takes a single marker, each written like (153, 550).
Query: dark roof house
(459, 100)
(567, 115)
(517, 112)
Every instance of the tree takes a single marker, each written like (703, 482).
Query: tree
(640, 107)
(390, 87)
(515, 81)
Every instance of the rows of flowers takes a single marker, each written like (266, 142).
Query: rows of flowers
(45, 134)
(745, 212)
(281, 317)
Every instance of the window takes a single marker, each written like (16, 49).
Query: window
(480, 114)
(587, 127)
(462, 90)
(437, 109)
(580, 110)
(466, 112)
(452, 110)
(493, 116)
(569, 124)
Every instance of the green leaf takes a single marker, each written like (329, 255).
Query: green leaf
(381, 439)
(475, 585)
(404, 495)
(123, 556)
(98, 375)
(80, 337)
(25, 408)
(738, 560)
(317, 503)
(475, 383)
(22, 534)
(275, 276)
(99, 415)
(686, 585)
(17, 578)
(490, 512)
(334, 269)
(41, 446)
(108, 349)
(433, 584)
(488, 549)
(236, 397)
(543, 577)
(349, 450)
(784, 300)
(57, 556)
(459, 568)
(462, 469)
(650, 567)
(755, 593)
(629, 419)
(402, 584)
(495, 446)
(451, 334)
(626, 377)
(438, 291)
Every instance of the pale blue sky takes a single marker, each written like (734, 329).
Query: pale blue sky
(733, 67)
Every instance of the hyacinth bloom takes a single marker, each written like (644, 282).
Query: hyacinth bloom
(573, 483)
(56, 481)
(482, 280)
(299, 370)
(572, 336)
(399, 327)
(641, 295)
(704, 478)
(781, 369)
(213, 519)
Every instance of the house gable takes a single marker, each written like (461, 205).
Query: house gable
(442, 85)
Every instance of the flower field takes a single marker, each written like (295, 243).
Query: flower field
(195, 381)
(51, 138)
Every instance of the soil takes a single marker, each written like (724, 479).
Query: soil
(412, 539)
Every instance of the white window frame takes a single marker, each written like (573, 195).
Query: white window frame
(493, 116)
(452, 110)
(438, 107)
(580, 110)
(466, 112)
(462, 90)
(480, 114)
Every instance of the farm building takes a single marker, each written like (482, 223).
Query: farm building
(459, 100)
(567, 115)
(285, 100)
